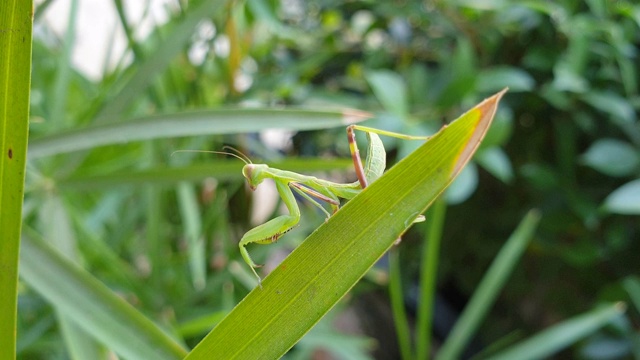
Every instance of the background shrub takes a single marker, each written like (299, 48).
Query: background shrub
(566, 141)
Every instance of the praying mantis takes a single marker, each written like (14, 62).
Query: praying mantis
(314, 189)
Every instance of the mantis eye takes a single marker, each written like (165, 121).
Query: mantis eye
(247, 171)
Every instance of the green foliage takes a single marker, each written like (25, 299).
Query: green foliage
(15, 68)
(310, 281)
(93, 306)
(160, 231)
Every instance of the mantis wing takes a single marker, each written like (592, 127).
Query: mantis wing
(376, 158)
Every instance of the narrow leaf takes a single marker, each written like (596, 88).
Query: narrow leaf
(55, 221)
(332, 259)
(489, 288)
(558, 337)
(390, 90)
(219, 121)
(632, 285)
(428, 276)
(192, 232)
(93, 306)
(221, 170)
(15, 81)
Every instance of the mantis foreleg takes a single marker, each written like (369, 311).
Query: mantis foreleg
(273, 229)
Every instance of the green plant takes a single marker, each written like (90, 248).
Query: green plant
(15, 72)
(159, 231)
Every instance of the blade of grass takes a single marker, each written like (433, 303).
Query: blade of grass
(155, 245)
(63, 72)
(31, 335)
(91, 305)
(312, 279)
(558, 337)
(41, 8)
(192, 232)
(221, 170)
(219, 121)
(79, 344)
(15, 81)
(135, 47)
(54, 221)
(489, 288)
(428, 277)
(632, 285)
(200, 325)
(97, 253)
(397, 305)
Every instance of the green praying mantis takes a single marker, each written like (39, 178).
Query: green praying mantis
(314, 189)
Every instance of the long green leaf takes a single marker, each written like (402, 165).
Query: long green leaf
(93, 306)
(270, 320)
(556, 338)
(489, 288)
(632, 285)
(221, 170)
(15, 81)
(219, 121)
(54, 220)
(396, 297)
(190, 214)
(429, 276)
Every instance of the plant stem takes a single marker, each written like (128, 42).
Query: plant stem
(397, 305)
(428, 272)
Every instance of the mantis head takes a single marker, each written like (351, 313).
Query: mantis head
(255, 174)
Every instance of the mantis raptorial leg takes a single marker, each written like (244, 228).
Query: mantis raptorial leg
(314, 189)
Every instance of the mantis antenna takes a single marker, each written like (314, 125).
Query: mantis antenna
(243, 158)
(239, 153)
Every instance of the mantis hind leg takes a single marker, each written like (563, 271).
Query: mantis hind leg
(375, 163)
(273, 229)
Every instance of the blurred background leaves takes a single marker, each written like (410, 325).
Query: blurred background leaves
(565, 141)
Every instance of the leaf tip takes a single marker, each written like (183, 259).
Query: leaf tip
(351, 116)
(486, 111)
